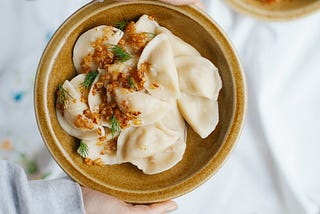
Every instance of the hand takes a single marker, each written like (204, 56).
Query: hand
(97, 202)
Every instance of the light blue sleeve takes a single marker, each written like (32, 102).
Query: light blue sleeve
(18, 195)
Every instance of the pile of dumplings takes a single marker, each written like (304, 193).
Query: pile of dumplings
(178, 85)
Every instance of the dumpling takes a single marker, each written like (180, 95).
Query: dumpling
(146, 24)
(198, 76)
(94, 99)
(77, 82)
(162, 160)
(124, 67)
(179, 47)
(166, 154)
(83, 46)
(160, 70)
(202, 114)
(150, 108)
(76, 132)
(167, 158)
(144, 141)
(99, 149)
(173, 119)
(73, 113)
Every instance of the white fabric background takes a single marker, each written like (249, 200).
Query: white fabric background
(275, 167)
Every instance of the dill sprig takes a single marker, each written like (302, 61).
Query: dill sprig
(119, 53)
(115, 126)
(121, 25)
(83, 149)
(89, 79)
(63, 95)
(131, 83)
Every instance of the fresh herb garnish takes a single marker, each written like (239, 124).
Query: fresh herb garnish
(115, 126)
(119, 53)
(83, 149)
(63, 95)
(89, 79)
(121, 25)
(131, 83)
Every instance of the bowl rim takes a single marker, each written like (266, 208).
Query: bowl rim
(256, 12)
(183, 187)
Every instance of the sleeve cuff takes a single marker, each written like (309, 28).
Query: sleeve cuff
(57, 196)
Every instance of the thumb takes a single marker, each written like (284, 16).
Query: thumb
(158, 208)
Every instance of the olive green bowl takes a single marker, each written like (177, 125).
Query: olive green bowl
(203, 157)
(282, 10)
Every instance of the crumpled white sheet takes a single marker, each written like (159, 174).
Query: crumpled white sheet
(275, 167)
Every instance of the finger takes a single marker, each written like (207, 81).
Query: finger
(158, 208)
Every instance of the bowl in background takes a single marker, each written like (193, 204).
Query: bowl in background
(203, 157)
(280, 10)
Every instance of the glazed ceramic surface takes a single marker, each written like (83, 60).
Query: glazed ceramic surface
(203, 157)
(280, 10)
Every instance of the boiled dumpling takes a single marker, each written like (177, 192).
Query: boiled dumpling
(144, 141)
(162, 160)
(94, 99)
(198, 76)
(77, 82)
(97, 149)
(74, 111)
(76, 132)
(171, 155)
(179, 47)
(173, 119)
(150, 108)
(124, 67)
(146, 24)
(161, 74)
(202, 114)
(83, 46)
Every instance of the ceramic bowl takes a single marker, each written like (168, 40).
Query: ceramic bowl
(203, 157)
(281, 10)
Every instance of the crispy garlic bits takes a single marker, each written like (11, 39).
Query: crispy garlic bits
(136, 86)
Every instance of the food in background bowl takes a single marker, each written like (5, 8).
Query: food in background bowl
(275, 10)
(136, 84)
